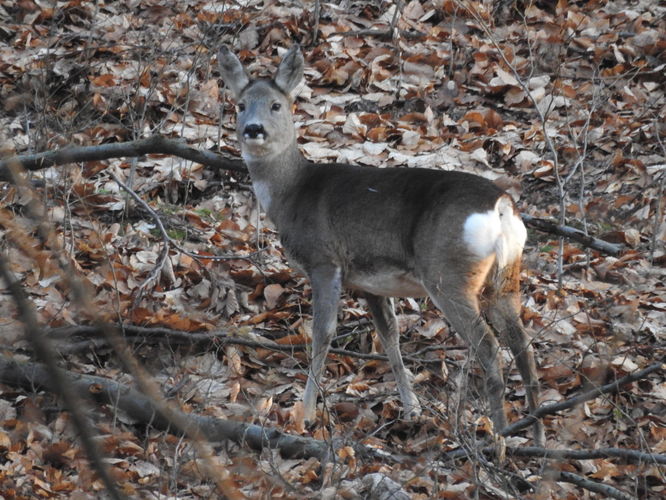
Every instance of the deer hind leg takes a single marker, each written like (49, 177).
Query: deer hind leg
(501, 305)
(386, 324)
(457, 297)
(326, 284)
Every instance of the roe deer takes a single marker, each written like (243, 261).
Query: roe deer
(386, 232)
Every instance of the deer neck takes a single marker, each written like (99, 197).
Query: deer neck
(274, 176)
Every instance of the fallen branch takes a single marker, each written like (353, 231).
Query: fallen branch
(572, 233)
(140, 334)
(389, 33)
(629, 456)
(155, 144)
(105, 391)
(594, 486)
(551, 409)
(623, 454)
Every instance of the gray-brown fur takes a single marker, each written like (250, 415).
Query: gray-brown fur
(384, 232)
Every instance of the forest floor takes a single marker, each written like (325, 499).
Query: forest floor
(560, 103)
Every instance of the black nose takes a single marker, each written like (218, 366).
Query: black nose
(254, 130)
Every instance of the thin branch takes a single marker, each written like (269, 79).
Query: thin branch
(155, 144)
(623, 454)
(630, 456)
(594, 486)
(213, 339)
(573, 234)
(316, 15)
(543, 119)
(60, 382)
(659, 209)
(551, 409)
(168, 241)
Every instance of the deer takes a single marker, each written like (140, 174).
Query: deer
(452, 236)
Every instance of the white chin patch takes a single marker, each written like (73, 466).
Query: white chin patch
(255, 141)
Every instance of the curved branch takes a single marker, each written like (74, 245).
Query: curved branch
(155, 144)
(142, 334)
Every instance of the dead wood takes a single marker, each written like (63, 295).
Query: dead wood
(622, 454)
(604, 489)
(83, 337)
(572, 233)
(155, 144)
(105, 391)
(609, 388)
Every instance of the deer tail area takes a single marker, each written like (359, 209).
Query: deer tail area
(499, 231)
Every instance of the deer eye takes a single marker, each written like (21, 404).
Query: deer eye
(276, 106)
(241, 107)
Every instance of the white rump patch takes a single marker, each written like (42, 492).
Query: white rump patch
(481, 233)
(499, 231)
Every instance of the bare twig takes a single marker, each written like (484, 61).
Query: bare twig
(573, 234)
(316, 14)
(594, 486)
(175, 337)
(631, 456)
(610, 388)
(166, 240)
(169, 241)
(155, 144)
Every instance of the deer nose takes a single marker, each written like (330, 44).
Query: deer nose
(254, 131)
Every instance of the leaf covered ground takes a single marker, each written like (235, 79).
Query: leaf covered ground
(462, 85)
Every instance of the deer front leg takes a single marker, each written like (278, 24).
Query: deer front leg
(386, 324)
(326, 284)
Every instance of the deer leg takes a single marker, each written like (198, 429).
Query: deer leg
(386, 324)
(461, 309)
(503, 314)
(326, 284)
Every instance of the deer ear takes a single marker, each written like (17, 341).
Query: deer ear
(290, 71)
(232, 71)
